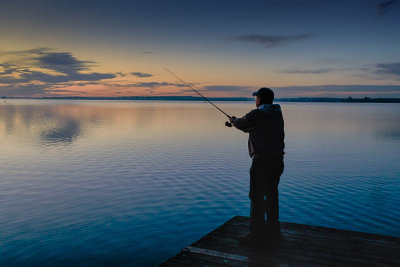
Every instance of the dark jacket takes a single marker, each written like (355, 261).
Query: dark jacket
(265, 128)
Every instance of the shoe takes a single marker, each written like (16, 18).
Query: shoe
(251, 240)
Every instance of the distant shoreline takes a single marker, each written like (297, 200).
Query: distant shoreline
(242, 99)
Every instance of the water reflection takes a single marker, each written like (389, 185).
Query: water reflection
(43, 122)
(344, 121)
(65, 132)
(137, 180)
(48, 123)
(388, 129)
(39, 124)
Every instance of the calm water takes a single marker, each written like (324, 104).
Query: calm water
(108, 182)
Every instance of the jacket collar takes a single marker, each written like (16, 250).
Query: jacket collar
(270, 107)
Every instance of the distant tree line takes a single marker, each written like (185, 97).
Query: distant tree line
(346, 100)
(196, 98)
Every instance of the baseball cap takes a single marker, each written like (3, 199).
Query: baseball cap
(264, 92)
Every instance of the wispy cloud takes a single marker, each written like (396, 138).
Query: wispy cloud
(270, 41)
(153, 84)
(141, 74)
(309, 71)
(388, 68)
(385, 6)
(39, 70)
(26, 52)
(121, 74)
(68, 91)
(8, 69)
(62, 62)
(338, 91)
(226, 88)
(22, 90)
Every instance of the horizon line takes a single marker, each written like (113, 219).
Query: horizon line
(240, 99)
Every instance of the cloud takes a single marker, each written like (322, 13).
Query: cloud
(338, 91)
(380, 71)
(8, 69)
(121, 74)
(316, 71)
(270, 41)
(225, 88)
(42, 69)
(153, 84)
(68, 91)
(388, 68)
(22, 90)
(25, 52)
(29, 76)
(385, 6)
(141, 74)
(61, 61)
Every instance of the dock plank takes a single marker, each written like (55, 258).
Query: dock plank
(300, 245)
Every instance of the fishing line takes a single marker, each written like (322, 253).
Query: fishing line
(188, 85)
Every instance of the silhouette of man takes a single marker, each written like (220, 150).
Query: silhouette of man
(266, 148)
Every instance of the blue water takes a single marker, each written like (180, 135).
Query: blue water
(131, 183)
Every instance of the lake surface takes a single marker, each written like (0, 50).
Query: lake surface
(133, 182)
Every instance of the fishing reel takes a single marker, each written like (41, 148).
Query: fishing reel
(228, 124)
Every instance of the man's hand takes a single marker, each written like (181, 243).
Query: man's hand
(232, 119)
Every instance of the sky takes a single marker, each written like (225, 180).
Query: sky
(298, 48)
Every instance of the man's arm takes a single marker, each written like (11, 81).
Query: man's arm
(246, 122)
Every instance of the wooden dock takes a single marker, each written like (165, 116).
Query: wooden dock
(300, 245)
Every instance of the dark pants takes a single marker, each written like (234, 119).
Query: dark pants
(265, 174)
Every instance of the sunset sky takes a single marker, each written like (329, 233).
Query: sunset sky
(223, 48)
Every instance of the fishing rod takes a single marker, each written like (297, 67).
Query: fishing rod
(188, 85)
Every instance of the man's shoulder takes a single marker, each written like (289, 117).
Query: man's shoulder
(254, 114)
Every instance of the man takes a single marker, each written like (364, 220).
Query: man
(266, 145)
